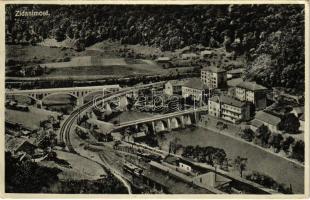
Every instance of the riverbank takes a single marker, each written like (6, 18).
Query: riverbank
(258, 159)
(233, 135)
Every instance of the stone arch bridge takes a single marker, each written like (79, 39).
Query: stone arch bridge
(79, 93)
(166, 122)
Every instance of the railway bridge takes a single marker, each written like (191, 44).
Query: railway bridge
(165, 122)
(79, 93)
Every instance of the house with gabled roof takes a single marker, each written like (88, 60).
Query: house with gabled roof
(269, 120)
(17, 145)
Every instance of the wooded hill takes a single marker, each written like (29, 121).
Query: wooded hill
(270, 36)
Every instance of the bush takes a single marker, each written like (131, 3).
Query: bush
(268, 182)
(248, 135)
(299, 151)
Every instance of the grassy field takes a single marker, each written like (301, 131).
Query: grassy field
(36, 53)
(29, 119)
(258, 159)
(90, 62)
(85, 61)
(103, 60)
(95, 70)
(44, 54)
(82, 168)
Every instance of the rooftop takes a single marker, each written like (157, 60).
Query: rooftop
(250, 86)
(299, 109)
(206, 52)
(213, 69)
(227, 100)
(188, 55)
(231, 101)
(236, 71)
(139, 134)
(256, 123)
(267, 118)
(14, 143)
(234, 82)
(215, 99)
(196, 84)
(177, 82)
(163, 59)
(176, 182)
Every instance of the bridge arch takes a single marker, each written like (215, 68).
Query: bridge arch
(175, 123)
(59, 93)
(87, 95)
(188, 120)
(161, 125)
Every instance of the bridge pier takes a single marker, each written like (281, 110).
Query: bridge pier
(153, 127)
(123, 102)
(182, 122)
(39, 104)
(195, 116)
(169, 124)
(79, 101)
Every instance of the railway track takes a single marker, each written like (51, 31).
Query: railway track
(66, 128)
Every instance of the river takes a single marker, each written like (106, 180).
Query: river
(283, 171)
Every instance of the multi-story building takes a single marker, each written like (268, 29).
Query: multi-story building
(229, 108)
(194, 88)
(174, 87)
(214, 77)
(252, 92)
(214, 106)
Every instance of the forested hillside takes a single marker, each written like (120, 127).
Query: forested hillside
(270, 36)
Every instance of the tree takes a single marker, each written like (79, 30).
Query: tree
(276, 142)
(27, 176)
(299, 151)
(60, 35)
(240, 164)
(219, 157)
(287, 143)
(69, 32)
(262, 134)
(248, 134)
(289, 123)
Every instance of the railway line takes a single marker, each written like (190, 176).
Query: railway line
(65, 129)
(66, 126)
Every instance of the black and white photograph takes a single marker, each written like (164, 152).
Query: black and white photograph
(149, 99)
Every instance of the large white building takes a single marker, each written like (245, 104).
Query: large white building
(229, 108)
(214, 77)
(252, 92)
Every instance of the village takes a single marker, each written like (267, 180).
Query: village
(246, 111)
(155, 99)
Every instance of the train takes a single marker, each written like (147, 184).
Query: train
(148, 157)
(132, 169)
